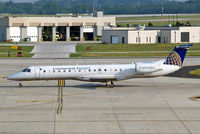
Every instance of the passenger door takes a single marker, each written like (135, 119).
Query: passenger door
(37, 72)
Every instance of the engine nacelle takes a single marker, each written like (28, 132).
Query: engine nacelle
(147, 68)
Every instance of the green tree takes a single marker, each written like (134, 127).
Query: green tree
(150, 24)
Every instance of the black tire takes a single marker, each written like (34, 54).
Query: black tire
(20, 85)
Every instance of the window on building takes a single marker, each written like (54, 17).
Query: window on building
(149, 39)
(146, 39)
(105, 70)
(115, 69)
(123, 41)
(136, 39)
(94, 70)
(44, 71)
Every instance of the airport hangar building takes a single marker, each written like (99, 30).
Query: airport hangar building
(37, 29)
(149, 35)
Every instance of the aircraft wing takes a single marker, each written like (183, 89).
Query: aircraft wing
(97, 78)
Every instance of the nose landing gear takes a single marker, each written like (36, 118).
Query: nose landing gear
(110, 85)
(20, 85)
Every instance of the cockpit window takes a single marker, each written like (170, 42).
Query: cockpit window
(26, 70)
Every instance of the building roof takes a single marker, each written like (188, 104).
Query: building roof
(57, 21)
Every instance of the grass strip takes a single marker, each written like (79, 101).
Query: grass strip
(25, 50)
(195, 72)
(171, 17)
(158, 23)
(99, 55)
(130, 47)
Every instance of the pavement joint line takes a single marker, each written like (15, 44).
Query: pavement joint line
(16, 107)
(34, 101)
(73, 94)
(110, 121)
(171, 109)
(114, 112)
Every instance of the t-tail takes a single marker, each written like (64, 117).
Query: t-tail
(177, 56)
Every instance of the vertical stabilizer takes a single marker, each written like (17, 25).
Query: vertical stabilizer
(177, 56)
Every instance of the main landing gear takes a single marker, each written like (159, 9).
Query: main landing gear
(20, 85)
(110, 85)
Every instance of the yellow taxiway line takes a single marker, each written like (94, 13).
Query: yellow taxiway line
(61, 84)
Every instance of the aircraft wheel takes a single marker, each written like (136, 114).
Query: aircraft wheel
(111, 85)
(20, 85)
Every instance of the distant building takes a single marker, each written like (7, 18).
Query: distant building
(149, 35)
(38, 29)
(181, 35)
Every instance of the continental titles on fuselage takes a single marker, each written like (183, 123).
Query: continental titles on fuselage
(72, 68)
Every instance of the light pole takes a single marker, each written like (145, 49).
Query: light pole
(162, 8)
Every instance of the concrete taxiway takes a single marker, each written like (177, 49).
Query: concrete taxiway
(155, 105)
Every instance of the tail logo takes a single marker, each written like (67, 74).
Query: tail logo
(174, 59)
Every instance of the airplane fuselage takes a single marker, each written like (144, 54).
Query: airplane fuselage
(95, 73)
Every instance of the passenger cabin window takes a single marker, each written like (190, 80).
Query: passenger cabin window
(44, 71)
(105, 70)
(26, 70)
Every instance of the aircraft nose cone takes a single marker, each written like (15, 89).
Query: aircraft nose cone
(13, 77)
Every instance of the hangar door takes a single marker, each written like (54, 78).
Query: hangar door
(32, 33)
(114, 39)
(88, 33)
(15, 34)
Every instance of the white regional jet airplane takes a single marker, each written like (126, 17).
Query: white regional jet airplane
(105, 73)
